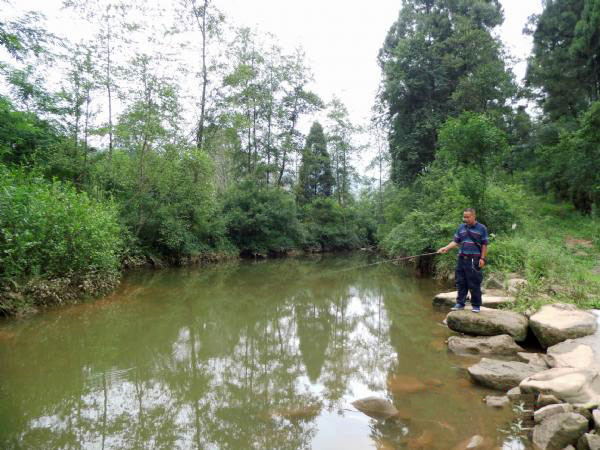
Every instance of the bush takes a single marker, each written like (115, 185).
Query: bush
(48, 229)
(261, 220)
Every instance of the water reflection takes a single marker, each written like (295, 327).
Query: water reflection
(266, 355)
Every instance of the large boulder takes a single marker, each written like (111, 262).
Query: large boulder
(490, 299)
(557, 322)
(489, 322)
(501, 375)
(558, 431)
(580, 387)
(502, 344)
(570, 353)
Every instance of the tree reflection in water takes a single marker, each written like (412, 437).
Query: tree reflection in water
(240, 356)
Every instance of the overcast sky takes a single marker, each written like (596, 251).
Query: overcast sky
(341, 38)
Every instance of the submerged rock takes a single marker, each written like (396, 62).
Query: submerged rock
(489, 322)
(375, 407)
(502, 344)
(501, 375)
(557, 322)
(558, 431)
(570, 354)
(580, 387)
(494, 401)
(405, 384)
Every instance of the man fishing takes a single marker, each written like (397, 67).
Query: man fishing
(472, 239)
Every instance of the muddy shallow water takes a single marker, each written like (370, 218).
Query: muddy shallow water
(248, 355)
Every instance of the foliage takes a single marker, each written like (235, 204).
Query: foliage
(261, 220)
(315, 178)
(438, 59)
(48, 229)
(331, 226)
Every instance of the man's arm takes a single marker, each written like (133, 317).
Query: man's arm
(448, 247)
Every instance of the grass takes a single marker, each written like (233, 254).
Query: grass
(556, 249)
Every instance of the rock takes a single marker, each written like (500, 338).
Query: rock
(494, 282)
(580, 387)
(501, 375)
(490, 299)
(516, 284)
(475, 442)
(535, 359)
(550, 410)
(593, 340)
(585, 413)
(559, 430)
(545, 400)
(494, 401)
(514, 394)
(555, 323)
(375, 407)
(570, 353)
(569, 447)
(589, 442)
(596, 417)
(489, 322)
(485, 345)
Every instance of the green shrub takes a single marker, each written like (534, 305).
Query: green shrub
(49, 229)
(261, 220)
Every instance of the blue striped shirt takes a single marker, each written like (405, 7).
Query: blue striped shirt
(468, 240)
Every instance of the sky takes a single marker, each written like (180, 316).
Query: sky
(341, 39)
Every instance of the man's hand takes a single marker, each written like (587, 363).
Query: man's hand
(443, 250)
(481, 263)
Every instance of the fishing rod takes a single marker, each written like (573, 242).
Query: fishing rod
(384, 261)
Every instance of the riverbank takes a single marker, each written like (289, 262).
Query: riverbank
(557, 374)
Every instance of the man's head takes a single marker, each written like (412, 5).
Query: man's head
(469, 216)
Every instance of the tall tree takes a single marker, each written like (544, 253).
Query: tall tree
(438, 59)
(315, 178)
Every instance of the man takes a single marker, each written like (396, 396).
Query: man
(472, 238)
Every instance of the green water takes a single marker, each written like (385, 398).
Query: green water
(250, 355)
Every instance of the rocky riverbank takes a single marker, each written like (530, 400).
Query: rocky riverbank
(562, 380)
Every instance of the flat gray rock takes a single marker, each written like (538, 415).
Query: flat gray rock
(570, 353)
(580, 387)
(489, 322)
(490, 299)
(514, 394)
(502, 344)
(558, 322)
(558, 431)
(501, 375)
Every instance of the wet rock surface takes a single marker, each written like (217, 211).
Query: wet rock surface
(489, 322)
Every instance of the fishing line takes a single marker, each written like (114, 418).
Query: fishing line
(381, 262)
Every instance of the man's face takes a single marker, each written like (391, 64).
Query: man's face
(468, 218)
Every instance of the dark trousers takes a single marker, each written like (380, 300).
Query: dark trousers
(468, 278)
